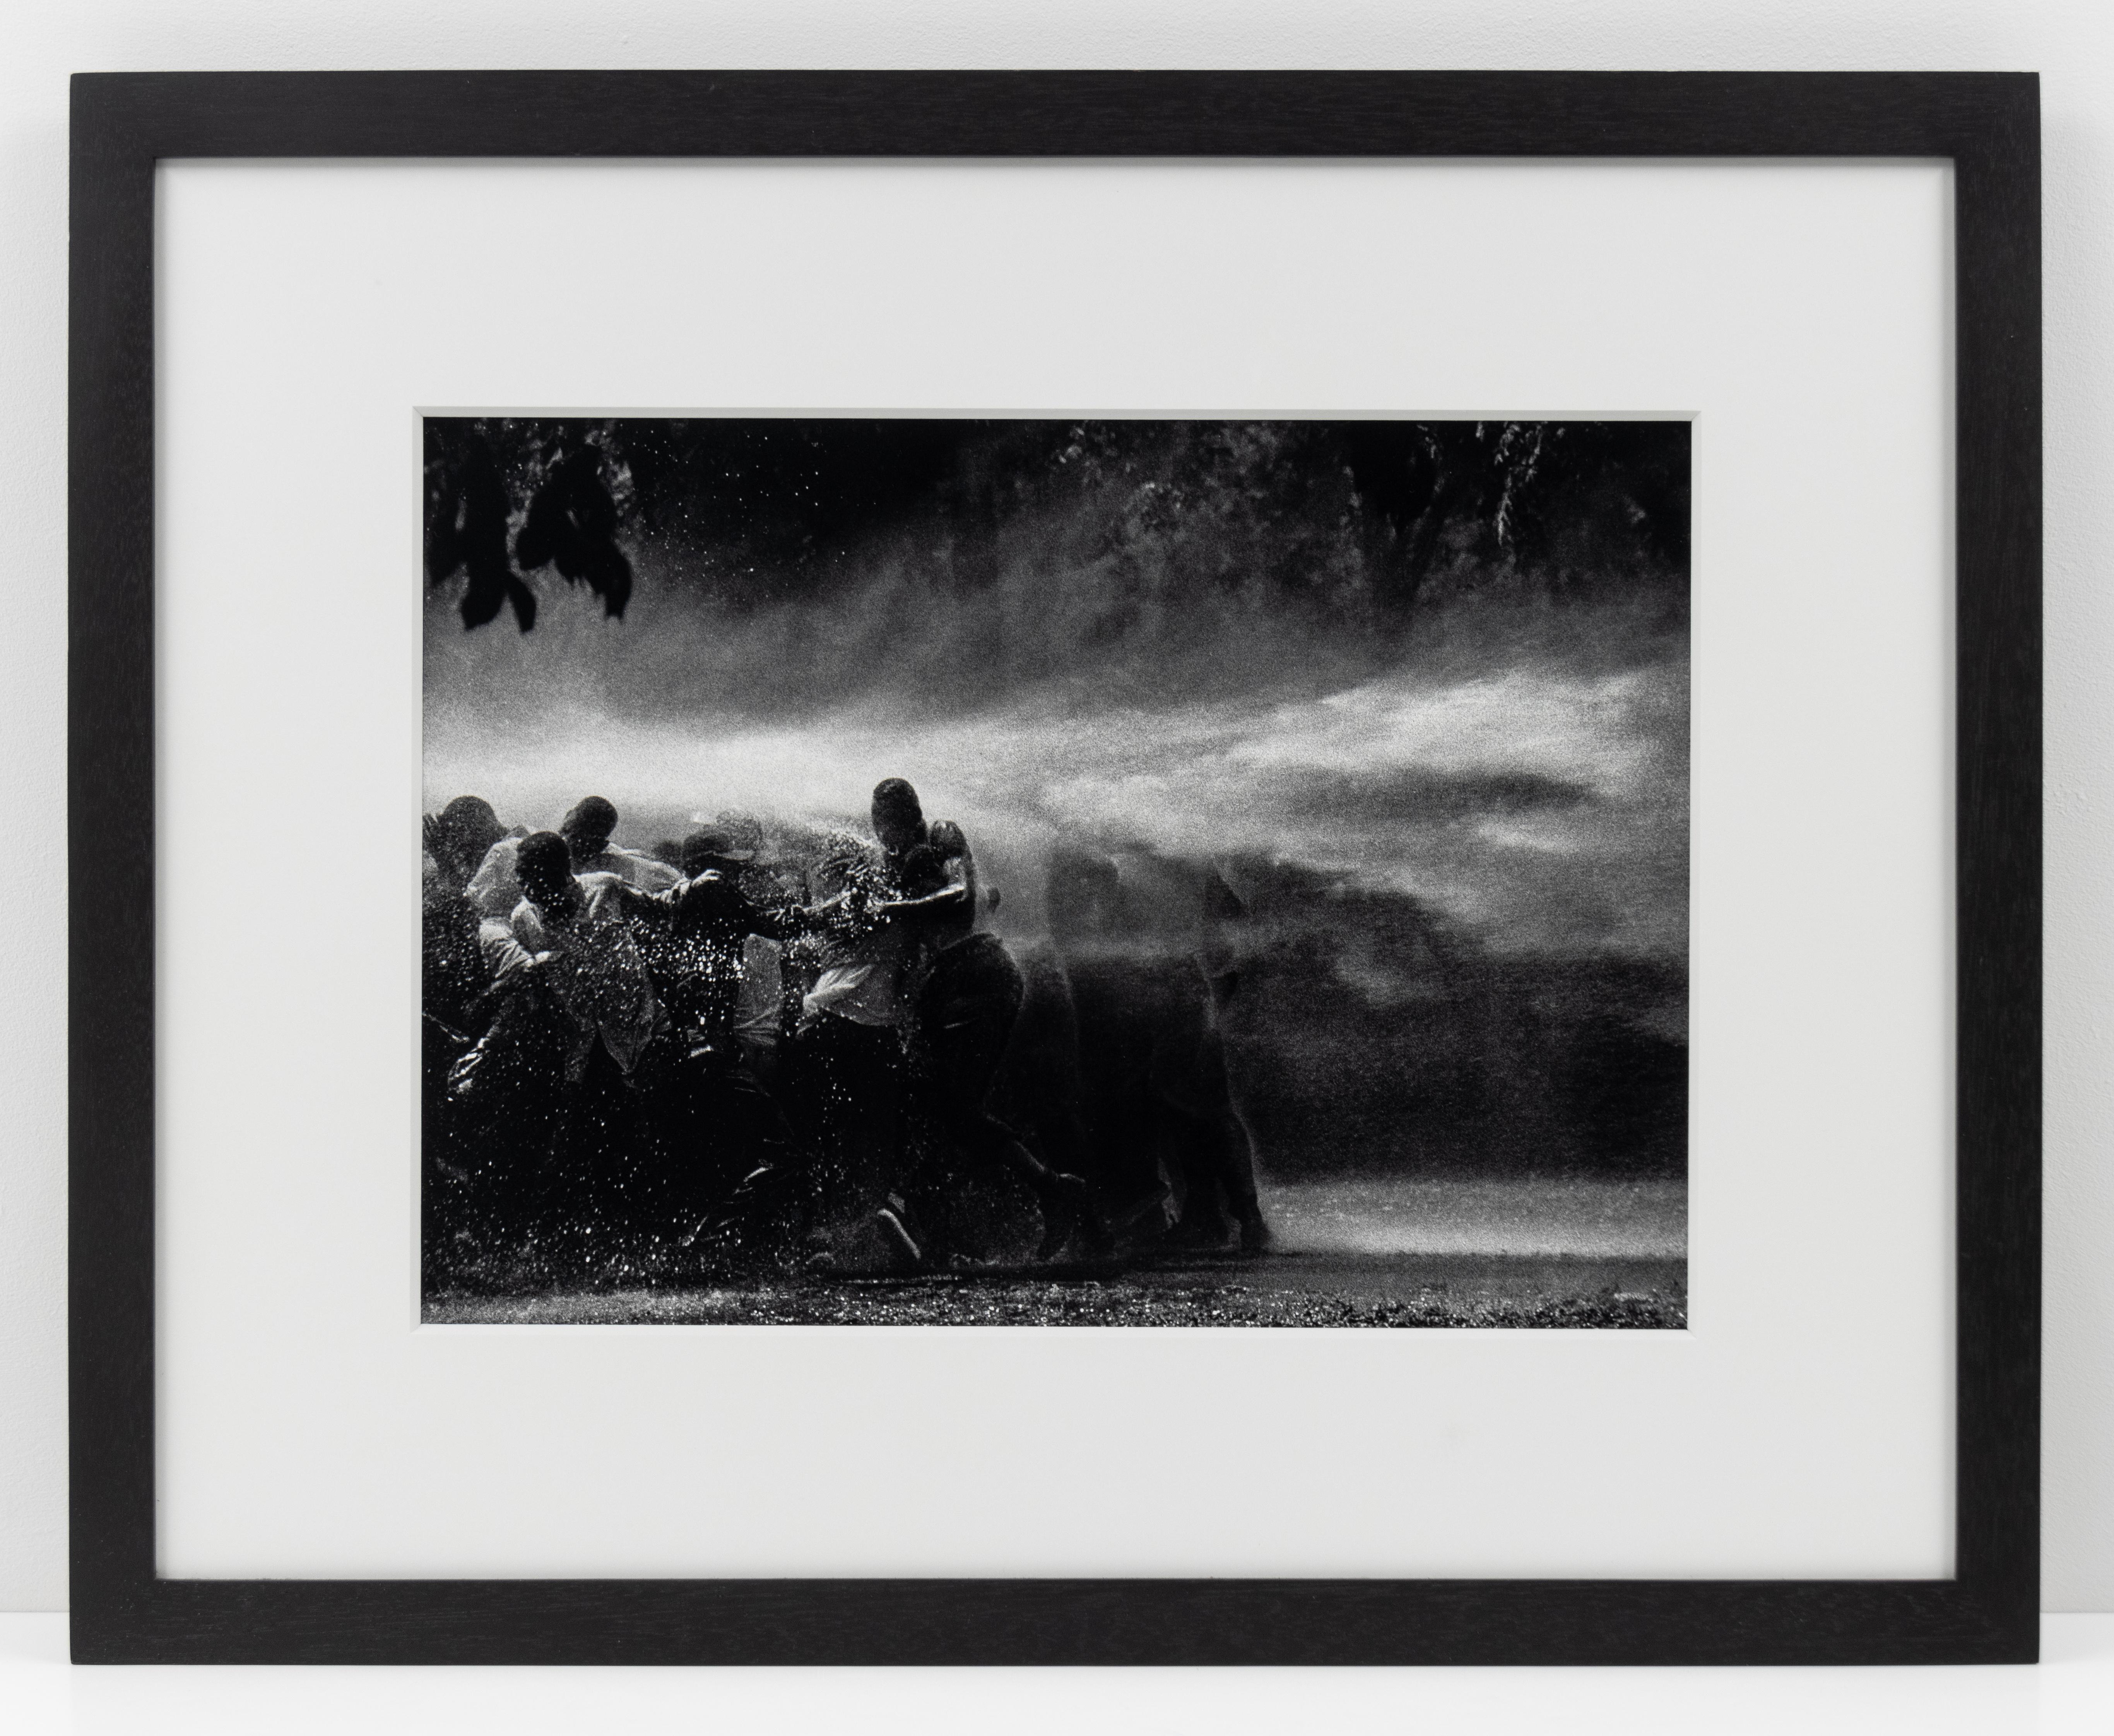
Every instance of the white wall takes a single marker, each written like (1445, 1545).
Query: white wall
(2069, 42)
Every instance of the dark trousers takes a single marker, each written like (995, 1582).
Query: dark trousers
(845, 1082)
(966, 1015)
(716, 1125)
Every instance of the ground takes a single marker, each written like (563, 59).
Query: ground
(1350, 1252)
(1291, 1289)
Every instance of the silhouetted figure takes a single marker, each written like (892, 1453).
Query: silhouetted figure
(1118, 1023)
(966, 1010)
(1165, 1146)
(1221, 1163)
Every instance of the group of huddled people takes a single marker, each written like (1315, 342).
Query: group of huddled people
(748, 1051)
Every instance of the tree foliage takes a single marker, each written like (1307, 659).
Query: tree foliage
(764, 508)
(543, 486)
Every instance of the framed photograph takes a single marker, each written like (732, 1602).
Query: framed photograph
(1055, 868)
(1247, 869)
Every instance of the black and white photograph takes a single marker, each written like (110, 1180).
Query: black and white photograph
(1090, 871)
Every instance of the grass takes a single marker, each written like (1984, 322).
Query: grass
(1023, 1302)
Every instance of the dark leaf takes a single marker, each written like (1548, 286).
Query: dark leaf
(481, 601)
(524, 601)
(572, 525)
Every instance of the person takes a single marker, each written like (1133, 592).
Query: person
(497, 1039)
(738, 1151)
(1223, 1151)
(575, 930)
(1167, 1150)
(898, 819)
(586, 829)
(697, 954)
(967, 1001)
(495, 889)
(1113, 1032)
(847, 1065)
(454, 980)
(760, 1012)
(455, 973)
(944, 902)
(456, 839)
(575, 939)
(504, 1114)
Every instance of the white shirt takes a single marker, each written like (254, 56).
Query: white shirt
(495, 888)
(865, 984)
(597, 972)
(648, 873)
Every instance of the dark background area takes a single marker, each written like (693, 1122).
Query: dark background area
(773, 509)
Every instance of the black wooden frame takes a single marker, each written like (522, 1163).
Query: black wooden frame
(1986, 124)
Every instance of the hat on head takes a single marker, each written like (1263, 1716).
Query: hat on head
(710, 844)
(744, 828)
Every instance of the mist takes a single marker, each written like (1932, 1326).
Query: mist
(1518, 765)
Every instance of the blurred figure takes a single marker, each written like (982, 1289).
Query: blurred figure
(1224, 1152)
(709, 916)
(968, 1003)
(1115, 1030)
(1166, 1146)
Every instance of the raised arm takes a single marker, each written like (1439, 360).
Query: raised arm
(960, 888)
(655, 907)
(947, 897)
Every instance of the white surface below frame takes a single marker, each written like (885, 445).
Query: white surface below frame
(2070, 1693)
(1801, 1427)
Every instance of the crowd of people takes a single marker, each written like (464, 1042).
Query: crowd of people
(778, 1051)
